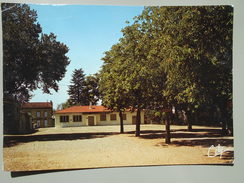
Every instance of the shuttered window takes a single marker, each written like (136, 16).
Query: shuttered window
(77, 118)
(102, 117)
(124, 116)
(112, 117)
(64, 118)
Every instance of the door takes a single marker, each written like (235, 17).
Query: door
(133, 120)
(91, 120)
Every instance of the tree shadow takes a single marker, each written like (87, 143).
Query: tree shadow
(197, 137)
(209, 130)
(204, 142)
(182, 134)
(228, 155)
(144, 131)
(9, 141)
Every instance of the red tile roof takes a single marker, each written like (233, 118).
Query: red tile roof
(84, 109)
(37, 105)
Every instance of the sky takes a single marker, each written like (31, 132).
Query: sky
(88, 31)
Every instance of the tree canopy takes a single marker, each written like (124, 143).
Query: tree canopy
(31, 59)
(172, 56)
(83, 90)
(194, 45)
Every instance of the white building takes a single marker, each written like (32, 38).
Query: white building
(92, 115)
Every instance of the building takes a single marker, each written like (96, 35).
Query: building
(41, 112)
(92, 115)
(15, 121)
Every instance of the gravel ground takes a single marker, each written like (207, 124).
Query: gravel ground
(103, 146)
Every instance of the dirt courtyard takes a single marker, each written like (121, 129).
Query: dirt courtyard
(103, 146)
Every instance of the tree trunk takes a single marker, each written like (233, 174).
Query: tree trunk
(189, 120)
(224, 117)
(224, 129)
(138, 122)
(121, 122)
(167, 128)
(224, 120)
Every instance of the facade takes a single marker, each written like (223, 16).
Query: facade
(91, 116)
(41, 113)
(15, 121)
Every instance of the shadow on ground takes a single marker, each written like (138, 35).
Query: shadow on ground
(228, 155)
(204, 142)
(15, 140)
(181, 133)
(198, 137)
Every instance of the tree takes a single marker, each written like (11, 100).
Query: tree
(180, 65)
(64, 105)
(113, 94)
(194, 47)
(77, 92)
(31, 59)
(83, 89)
(128, 79)
(91, 88)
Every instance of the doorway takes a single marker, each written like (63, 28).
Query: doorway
(91, 121)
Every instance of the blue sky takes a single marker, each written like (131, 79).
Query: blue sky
(88, 31)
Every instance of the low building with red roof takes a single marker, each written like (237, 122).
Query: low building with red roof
(92, 115)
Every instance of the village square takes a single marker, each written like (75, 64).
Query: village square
(160, 94)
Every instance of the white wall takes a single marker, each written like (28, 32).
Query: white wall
(96, 119)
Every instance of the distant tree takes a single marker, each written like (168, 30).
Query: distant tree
(83, 89)
(91, 88)
(31, 59)
(64, 105)
(76, 91)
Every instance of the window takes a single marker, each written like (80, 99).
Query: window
(64, 118)
(38, 123)
(77, 118)
(102, 117)
(38, 114)
(45, 123)
(124, 116)
(45, 114)
(112, 117)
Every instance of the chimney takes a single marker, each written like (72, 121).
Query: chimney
(90, 105)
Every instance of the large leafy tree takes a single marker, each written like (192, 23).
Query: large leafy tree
(176, 57)
(128, 79)
(31, 59)
(194, 47)
(111, 86)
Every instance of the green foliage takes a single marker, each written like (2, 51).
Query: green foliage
(83, 90)
(91, 88)
(64, 105)
(31, 60)
(172, 56)
(194, 47)
(77, 94)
